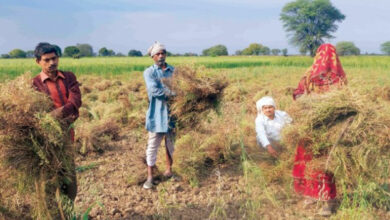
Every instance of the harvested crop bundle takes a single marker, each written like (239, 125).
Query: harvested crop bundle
(97, 136)
(34, 144)
(195, 93)
(349, 135)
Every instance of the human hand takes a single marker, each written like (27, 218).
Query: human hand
(272, 151)
(57, 113)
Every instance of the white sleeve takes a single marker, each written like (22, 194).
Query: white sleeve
(261, 135)
(286, 118)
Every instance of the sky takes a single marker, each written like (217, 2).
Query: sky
(183, 26)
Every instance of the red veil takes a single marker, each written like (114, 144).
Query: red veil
(325, 71)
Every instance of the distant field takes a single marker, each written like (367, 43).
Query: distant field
(9, 68)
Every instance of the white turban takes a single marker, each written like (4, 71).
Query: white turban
(155, 48)
(266, 100)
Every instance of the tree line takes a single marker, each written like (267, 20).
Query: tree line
(344, 48)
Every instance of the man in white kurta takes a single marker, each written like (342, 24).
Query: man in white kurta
(269, 124)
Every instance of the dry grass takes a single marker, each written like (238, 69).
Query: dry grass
(34, 144)
(350, 134)
(195, 93)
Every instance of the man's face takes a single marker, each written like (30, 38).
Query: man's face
(159, 58)
(48, 62)
(269, 111)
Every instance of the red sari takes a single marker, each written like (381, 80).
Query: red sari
(316, 184)
(325, 71)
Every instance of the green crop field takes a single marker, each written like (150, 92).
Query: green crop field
(9, 68)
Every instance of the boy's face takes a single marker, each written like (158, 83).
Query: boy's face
(48, 62)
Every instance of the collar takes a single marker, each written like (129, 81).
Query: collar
(44, 76)
(168, 67)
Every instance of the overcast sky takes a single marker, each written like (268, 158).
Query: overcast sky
(183, 26)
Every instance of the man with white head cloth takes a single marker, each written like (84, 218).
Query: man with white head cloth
(158, 121)
(269, 124)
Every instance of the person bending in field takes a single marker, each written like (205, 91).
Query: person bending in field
(63, 89)
(269, 124)
(317, 185)
(326, 72)
(159, 123)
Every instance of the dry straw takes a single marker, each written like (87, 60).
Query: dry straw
(195, 93)
(34, 144)
(350, 135)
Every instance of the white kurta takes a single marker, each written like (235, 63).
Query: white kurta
(269, 130)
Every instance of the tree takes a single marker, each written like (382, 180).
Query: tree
(30, 54)
(190, 54)
(345, 48)
(103, 52)
(85, 50)
(111, 53)
(284, 52)
(218, 50)
(71, 51)
(17, 53)
(135, 53)
(275, 52)
(385, 47)
(5, 56)
(265, 51)
(238, 52)
(256, 49)
(58, 49)
(309, 22)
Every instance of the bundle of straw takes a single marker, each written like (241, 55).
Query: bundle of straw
(32, 142)
(350, 136)
(195, 93)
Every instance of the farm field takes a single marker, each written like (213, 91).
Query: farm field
(221, 173)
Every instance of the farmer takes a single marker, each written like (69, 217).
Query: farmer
(325, 72)
(269, 124)
(63, 89)
(317, 184)
(158, 121)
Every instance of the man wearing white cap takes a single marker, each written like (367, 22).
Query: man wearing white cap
(269, 124)
(158, 121)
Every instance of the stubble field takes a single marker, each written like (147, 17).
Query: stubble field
(221, 173)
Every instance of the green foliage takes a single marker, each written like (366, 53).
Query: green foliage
(218, 50)
(284, 52)
(309, 22)
(17, 53)
(5, 56)
(385, 47)
(135, 53)
(256, 49)
(275, 52)
(71, 51)
(30, 54)
(104, 52)
(85, 50)
(345, 48)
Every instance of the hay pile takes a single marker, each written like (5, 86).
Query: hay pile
(195, 94)
(350, 136)
(33, 145)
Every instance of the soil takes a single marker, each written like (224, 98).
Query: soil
(113, 193)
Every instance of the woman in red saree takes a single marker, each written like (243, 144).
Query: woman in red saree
(317, 184)
(325, 72)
